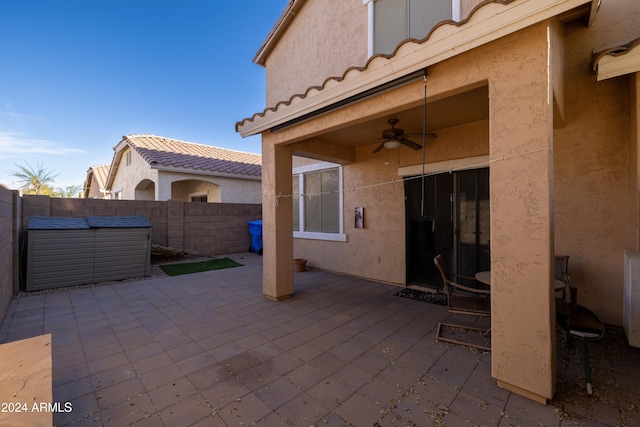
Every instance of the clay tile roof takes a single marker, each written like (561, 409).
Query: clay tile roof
(181, 154)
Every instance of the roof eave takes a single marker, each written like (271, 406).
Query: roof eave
(617, 61)
(278, 30)
(204, 172)
(489, 22)
(115, 163)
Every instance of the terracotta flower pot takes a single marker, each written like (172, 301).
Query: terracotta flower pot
(300, 264)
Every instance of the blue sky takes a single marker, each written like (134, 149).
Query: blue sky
(77, 75)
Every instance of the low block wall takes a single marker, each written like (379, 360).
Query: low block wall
(196, 228)
(9, 204)
(193, 227)
(206, 229)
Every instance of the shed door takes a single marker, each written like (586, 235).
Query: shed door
(447, 214)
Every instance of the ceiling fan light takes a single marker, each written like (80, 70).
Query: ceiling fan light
(392, 144)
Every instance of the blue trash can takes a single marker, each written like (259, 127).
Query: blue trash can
(255, 229)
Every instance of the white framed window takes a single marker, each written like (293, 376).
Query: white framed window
(127, 158)
(318, 202)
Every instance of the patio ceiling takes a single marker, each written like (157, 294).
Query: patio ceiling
(462, 108)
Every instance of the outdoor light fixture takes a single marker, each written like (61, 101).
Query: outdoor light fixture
(392, 144)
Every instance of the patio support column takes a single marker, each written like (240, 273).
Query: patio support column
(631, 304)
(277, 220)
(163, 188)
(521, 187)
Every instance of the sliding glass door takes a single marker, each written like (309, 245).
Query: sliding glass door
(447, 214)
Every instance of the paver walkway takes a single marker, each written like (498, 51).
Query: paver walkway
(208, 349)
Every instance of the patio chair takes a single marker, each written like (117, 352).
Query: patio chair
(580, 322)
(460, 298)
(463, 300)
(562, 273)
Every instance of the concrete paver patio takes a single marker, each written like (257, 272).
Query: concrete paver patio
(208, 349)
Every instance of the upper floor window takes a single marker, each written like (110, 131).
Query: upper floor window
(317, 202)
(397, 20)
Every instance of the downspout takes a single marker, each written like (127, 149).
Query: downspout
(370, 25)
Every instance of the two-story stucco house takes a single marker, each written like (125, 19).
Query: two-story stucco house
(149, 167)
(514, 137)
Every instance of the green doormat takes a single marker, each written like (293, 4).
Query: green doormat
(197, 267)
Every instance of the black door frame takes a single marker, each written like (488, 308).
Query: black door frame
(432, 209)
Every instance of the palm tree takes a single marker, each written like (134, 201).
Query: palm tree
(70, 191)
(33, 181)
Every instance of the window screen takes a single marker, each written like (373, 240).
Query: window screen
(397, 20)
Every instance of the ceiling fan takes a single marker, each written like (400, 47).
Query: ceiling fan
(395, 137)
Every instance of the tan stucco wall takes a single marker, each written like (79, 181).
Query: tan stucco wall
(592, 163)
(230, 190)
(466, 7)
(325, 38)
(184, 190)
(519, 95)
(94, 189)
(592, 213)
(128, 176)
(375, 185)
(562, 190)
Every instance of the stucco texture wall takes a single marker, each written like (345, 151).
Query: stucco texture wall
(378, 251)
(174, 185)
(592, 156)
(519, 145)
(129, 176)
(324, 39)
(467, 6)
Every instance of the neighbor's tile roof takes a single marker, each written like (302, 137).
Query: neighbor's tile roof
(180, 154)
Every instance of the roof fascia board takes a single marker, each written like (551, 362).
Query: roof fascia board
(488, 23)
(618, 62)
(203, 172)
(115, 163)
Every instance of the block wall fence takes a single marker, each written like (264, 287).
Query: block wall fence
(206, 229)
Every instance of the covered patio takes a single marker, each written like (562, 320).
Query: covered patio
(209, 349)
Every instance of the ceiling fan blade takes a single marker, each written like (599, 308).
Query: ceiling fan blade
(409, 143)
(378, 148)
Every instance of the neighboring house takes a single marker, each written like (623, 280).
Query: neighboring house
(94, 184)
(536, 109)
(149, 167)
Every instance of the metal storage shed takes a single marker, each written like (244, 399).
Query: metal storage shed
(78, 251)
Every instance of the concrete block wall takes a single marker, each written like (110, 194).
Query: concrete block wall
(8, 248)
(218, 227)
(196, 228)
